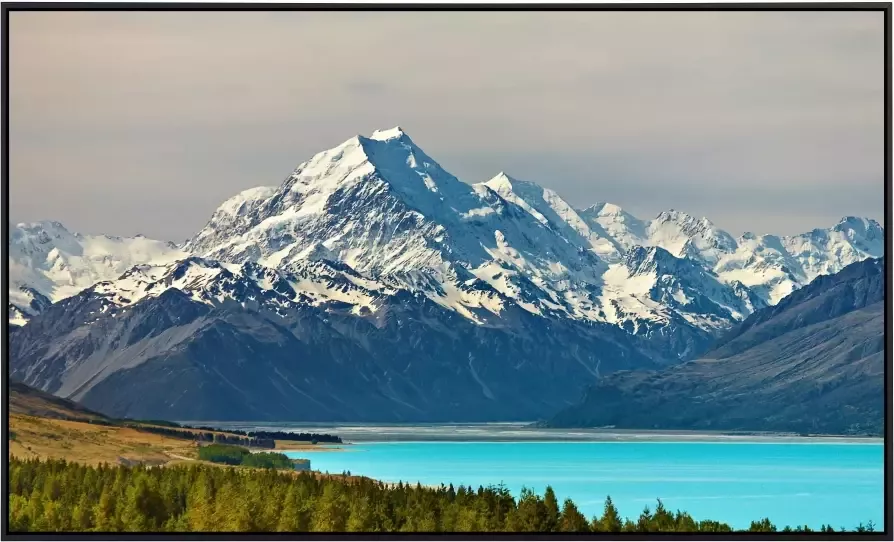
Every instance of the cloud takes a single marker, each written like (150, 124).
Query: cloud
(127, 121)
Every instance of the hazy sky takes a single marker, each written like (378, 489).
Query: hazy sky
(126, 123)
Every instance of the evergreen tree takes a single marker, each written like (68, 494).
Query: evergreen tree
(232, 512)
(144, 509)
(328, 515)
(468, 520)
(551, 503)
(762, 526)
(104, 512)
(530, 515)
(52, 518)
(571, 520)
(684, 522)
(610, 522)
(644, 522)
(360, 518)
(18, 517)
(200, 504)
(662, 520)
(711, 526)
(290, 515)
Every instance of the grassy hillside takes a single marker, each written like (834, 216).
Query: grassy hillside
(43, 426)
(25, 400)
(90, 443)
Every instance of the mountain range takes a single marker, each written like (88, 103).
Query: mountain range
(814, 363)
(372, 284)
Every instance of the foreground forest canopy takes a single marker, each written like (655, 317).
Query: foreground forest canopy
(56, 495)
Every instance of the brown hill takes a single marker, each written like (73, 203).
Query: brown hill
(24, 399)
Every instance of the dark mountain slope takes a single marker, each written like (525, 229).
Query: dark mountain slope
(259, 355)
(812, 364)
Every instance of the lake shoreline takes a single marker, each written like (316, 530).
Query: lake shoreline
(529, 432)
(285, 446)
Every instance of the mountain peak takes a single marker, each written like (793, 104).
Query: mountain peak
(857, 223)
(503, 183)
(499, 183)
(605, 209)
(51, 225)
(392, 133)
(29, 236)
(672, 215)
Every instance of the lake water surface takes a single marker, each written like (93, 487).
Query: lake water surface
(736, 481)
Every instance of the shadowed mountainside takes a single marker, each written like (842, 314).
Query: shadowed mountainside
(812, 364)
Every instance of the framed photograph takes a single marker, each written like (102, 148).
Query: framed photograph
(465, 271)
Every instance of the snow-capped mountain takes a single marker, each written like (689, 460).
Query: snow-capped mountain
(48, 263)
(775, 266)
(683, 285)
(374, 278)
(389, 217)
(384, 208)
(813, 363)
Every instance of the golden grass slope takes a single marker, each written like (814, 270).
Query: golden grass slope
(24, 399)
(45, 426)
(83, 442)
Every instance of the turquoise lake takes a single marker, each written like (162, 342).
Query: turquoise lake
(801, 483)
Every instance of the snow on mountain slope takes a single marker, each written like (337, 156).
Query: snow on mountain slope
(24, 303)
(825, 252)
(233, 210)
(683, 285)
(48, 261)
(655, 294)
(680, 234)
(551, 210)
(763, 264)
(685, 236)
(383, 207)
(769, 265)
(201, 349)
(205, 281)
(624, 229)
(623, 300)
(776, 266)
(310, 283)
(376, 217)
